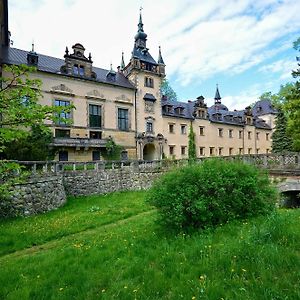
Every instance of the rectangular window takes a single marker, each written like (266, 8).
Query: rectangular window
(61, 133)
(95, 115)
(171, 128)
(201, 129)
(171, 150)
(63, 156)
(257, 151)
(249, 135)
(149, 127)
(267, 136)
(123, 119)
(230, 133)
(240, 151)
(230, 151)
(257, 135)
(220, 151)
(240, 134)
(63, 116)
(202, 153)
(96, 135)
(220, 132)
(124, 155)
(95, 155)
(183, 152)
(249, 150)
(149, 82)
(211, 151)
(183, 129)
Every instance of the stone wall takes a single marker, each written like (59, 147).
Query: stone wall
(38, 195)
(106, 181)
(46, 192)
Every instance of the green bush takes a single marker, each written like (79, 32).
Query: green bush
(215, 192)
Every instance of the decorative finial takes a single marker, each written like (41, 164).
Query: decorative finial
(217, 95)
(90, 56)
(32, 46)
(160, 59)
(67, 51)
(122, 66)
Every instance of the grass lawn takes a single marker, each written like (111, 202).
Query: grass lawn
(109, 247)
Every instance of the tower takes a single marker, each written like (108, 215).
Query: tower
(146, 74)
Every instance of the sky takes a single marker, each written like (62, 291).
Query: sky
(246, 46)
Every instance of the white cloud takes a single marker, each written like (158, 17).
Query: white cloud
(283, 66)
(199, 39)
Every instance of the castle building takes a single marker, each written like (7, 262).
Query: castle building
(127, 106)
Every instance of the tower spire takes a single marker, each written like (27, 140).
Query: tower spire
(217, 96)
(141, 36)
(122, 65)
(160, 59)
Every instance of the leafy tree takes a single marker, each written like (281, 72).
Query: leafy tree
(20, 111)
(292, 105)
(192, 145)
(167, 90)
(32, 146)
(112, 150)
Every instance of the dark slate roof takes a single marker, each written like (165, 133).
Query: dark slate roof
(263, 107)
(260, 123)
(222, 116)
(52, 65)
(217, 107)
(150, 97)
(144, 55)
(188, 109)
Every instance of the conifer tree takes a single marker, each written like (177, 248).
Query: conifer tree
(281, 141)
(192, 145)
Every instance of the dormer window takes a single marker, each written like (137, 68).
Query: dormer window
(201, 114)
(179, 110)
(167, 108)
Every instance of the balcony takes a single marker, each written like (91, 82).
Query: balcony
(79, 142)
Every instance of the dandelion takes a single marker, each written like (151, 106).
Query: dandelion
(202, 277)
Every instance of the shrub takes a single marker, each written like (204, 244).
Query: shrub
(215, 192)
